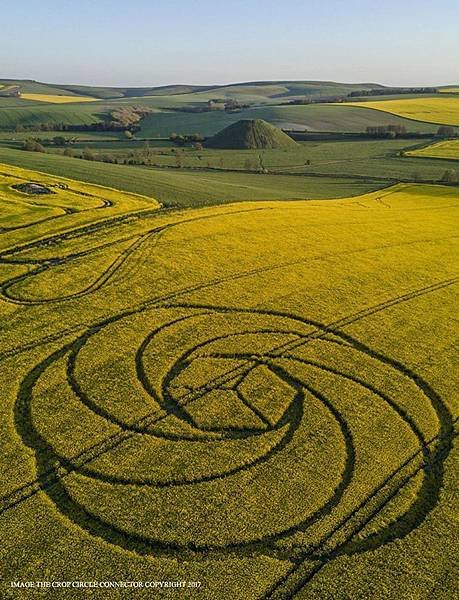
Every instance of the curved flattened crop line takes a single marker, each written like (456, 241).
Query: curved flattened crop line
(136, 426)
(32, 487)
(153, 417)
(80, 230)
(50, 475)
(326, 329)
(165, 301)
(323, 329)
(103, 278)
(170, 406)
(393, 405)
(264, 545)
(17, 279)
(345, 431)
(297, 413)
(5, 230)
(96, 526)
(434, 468)
(301, 573)
(434, 461)
(426, 499)
(166, 402)
(47, 263)
(66, 210)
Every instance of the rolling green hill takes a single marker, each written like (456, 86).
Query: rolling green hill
(261, 91)
(250, 134)
(313, 117)
(176, 107)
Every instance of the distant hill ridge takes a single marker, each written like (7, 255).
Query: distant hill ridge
(267, 89)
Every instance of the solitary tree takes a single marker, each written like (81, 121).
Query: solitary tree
(450, 176)
(88, 154)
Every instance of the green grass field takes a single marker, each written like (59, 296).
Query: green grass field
(192, 188)
(315, 117)
(373, 163)
(256, 398)
(358, 158)
(162, 122)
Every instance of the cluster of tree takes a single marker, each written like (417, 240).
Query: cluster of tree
(40, 127)
(221, 104)
(32, 145)
(57, 140)
(447, 131)
(142, 156)
(392, 91)
(386, 131)
(98, 126)
(183, 140)
(192, 108)
(234, 105)
(315, 100)
(128, 117)
(88, 154)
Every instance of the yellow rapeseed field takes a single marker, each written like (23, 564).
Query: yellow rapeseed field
(448, 149)
(444, 111)
(58, 99)
(254, 399)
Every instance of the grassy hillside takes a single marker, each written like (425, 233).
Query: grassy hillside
(250, 134)
(29, 86)
(252, 398)
(442, 111)
(189, 188)
(28, 115)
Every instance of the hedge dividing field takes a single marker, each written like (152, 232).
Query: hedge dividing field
(181, 403)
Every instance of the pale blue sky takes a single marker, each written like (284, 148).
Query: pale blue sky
(146, 42)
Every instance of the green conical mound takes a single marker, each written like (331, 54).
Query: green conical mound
(250, 134)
